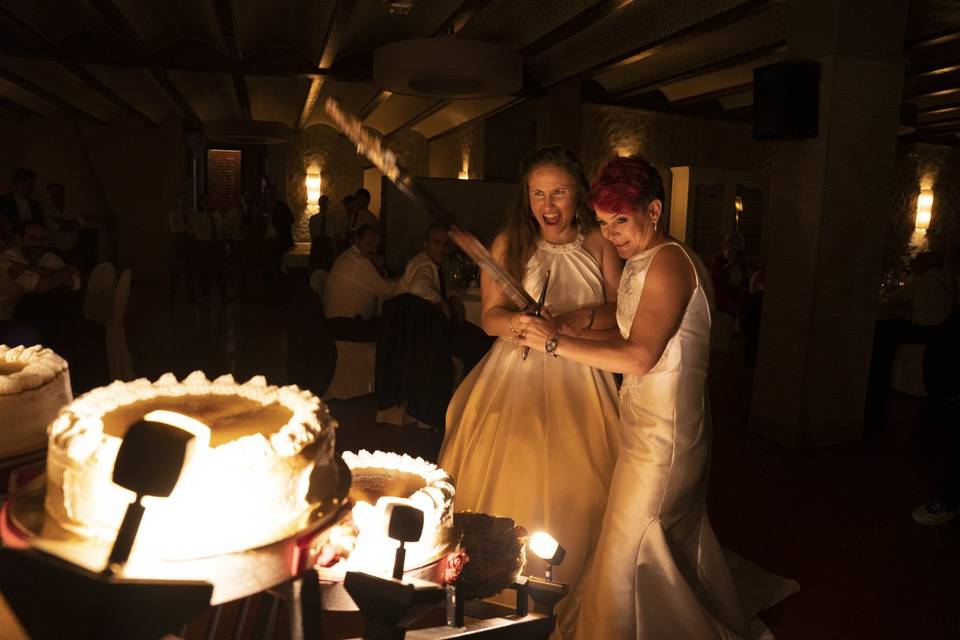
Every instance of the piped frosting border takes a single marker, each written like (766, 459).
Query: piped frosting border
(41, 366)
(79, 427)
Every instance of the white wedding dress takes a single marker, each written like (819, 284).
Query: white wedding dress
(536, 439)
(659, 572)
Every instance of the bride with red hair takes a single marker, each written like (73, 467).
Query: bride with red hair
(658, 571)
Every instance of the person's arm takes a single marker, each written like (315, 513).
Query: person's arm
(500, 316)
(370, 279)
(600, 316)
(422, 283)
(32, 282)
(58, 274)
(666, 291)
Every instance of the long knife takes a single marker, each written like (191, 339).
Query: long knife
(372, 146)
(538, 309)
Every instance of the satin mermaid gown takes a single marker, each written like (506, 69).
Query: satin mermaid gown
(537, 439)
(659, 572)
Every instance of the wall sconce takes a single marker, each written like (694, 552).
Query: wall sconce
(738, 205)
(924, 210)
(313, 188)
(465, 166)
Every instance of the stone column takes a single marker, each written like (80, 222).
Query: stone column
(825, 232)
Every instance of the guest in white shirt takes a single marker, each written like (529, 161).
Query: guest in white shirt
(424, 278)
(30, 268)
(354, 288)
(62, 222)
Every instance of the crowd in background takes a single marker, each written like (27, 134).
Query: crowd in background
(42, 271)
(245, 239)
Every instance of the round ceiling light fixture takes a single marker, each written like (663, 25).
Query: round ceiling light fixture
(447, 68)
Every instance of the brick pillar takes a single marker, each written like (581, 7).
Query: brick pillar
(826, 228)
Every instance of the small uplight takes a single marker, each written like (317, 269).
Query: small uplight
(546, 547)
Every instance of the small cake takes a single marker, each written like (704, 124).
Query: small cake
(270, 462)
(379, 479)
(34, 386)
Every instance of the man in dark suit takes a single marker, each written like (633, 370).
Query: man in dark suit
(20, 202)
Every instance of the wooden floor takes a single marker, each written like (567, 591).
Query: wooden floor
(835, 519)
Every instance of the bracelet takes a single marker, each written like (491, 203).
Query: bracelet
(510, 324)
(593, 316)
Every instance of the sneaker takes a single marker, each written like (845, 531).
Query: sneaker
(934, 513)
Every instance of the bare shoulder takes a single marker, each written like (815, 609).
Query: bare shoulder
(595, 243)
(672, 267)
(499, 245)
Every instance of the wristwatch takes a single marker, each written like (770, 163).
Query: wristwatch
(551, 346)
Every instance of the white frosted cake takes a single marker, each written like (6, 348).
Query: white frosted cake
(34, 386)
(269, 464)
(381, 478)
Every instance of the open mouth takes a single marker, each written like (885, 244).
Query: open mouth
(551, 219)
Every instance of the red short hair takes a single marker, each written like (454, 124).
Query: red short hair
(624, 185)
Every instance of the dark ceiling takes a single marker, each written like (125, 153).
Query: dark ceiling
(210, 60)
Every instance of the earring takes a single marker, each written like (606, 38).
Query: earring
(654, 225)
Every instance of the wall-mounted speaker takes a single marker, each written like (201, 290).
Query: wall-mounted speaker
(786, 100)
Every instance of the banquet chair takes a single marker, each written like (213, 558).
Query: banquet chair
(353, 375)
(317, 279)
(98, 300)
(119, 362)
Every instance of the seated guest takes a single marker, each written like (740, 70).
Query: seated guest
(425, 279)
(353, 289)
(41, 293)
(21, 201)
(29, 268)
(62, 222)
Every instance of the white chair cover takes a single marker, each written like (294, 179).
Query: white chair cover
(356, 361)
(98, 301)
(119, 361)
(354, 375)
(317, 280)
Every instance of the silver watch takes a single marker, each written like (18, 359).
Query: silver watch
(551, 346)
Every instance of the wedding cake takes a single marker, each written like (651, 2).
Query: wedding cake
(266, 463)
(381, 479)
(34, 386)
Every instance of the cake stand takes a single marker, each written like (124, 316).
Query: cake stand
(23, 524)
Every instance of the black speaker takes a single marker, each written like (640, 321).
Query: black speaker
(786, 100)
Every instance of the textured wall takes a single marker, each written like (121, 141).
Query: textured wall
(413, 151)
(825, 238)
(341, 171)
(450, 153)
(941, 167)
(123, 177)
(669, 141)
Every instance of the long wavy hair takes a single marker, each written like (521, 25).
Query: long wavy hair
(521, 228)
